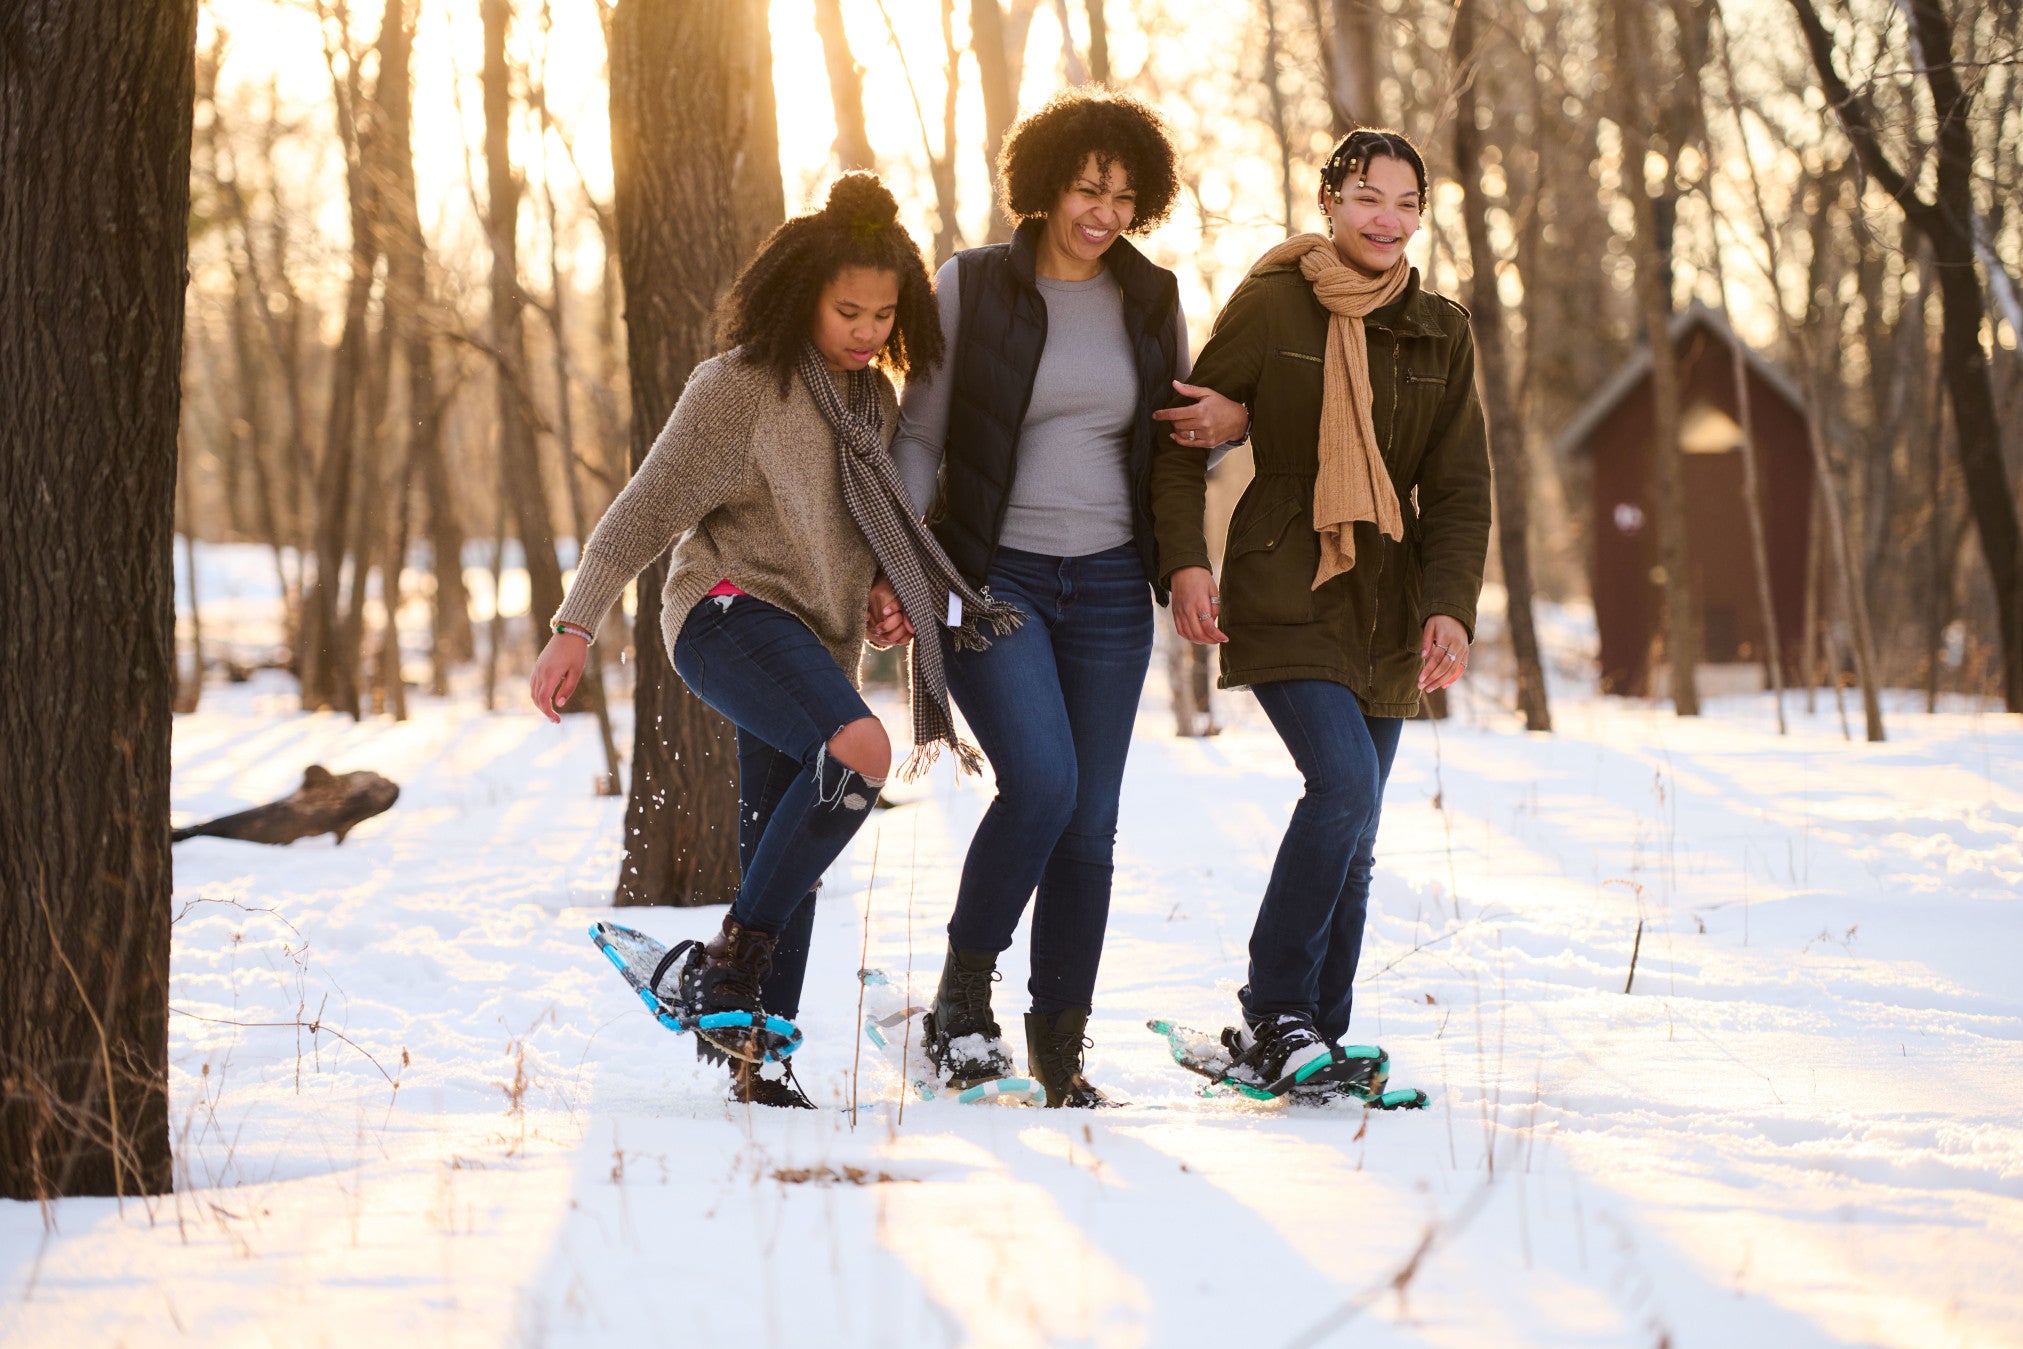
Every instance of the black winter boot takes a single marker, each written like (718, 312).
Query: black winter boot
(1282, 1050)
(1054, 1046)
(734, 964)
(961, 1038)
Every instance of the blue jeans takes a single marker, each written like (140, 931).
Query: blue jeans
(798, 808)
(1309, 932)
(1052, 706)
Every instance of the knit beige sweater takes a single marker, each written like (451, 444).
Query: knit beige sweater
(744, 485)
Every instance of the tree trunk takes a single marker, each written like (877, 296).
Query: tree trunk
(1099, 43)
(519, 455)
(1350, 62)
(407, 306)
(1281, 133)
(846, 88)
(1506, 430)
(1654, 300)
(695, 160)
(95, 124)
(329, 669)
(997, 39)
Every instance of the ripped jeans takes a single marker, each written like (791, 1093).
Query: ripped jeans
(798, 807)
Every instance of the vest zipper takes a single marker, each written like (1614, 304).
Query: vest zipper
(1018, 427)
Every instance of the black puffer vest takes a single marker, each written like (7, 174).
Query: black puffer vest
(1001, 333)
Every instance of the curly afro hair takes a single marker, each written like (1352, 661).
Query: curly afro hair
(1044, 152)
(770, 308)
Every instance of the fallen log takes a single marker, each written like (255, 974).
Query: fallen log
(325, 803)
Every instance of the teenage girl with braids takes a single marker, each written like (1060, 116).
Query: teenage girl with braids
(1353, 564)
(794, 543)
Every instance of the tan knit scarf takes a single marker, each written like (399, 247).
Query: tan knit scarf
(1353, 483)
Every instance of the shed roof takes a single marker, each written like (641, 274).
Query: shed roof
(1573, 437)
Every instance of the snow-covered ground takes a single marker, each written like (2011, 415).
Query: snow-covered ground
(1804, 1124)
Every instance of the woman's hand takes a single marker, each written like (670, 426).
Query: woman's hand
(1196, 606)
(558, 672)
(1208, 421)
(1443, 653)
(885, 623)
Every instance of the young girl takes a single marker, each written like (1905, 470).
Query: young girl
(794, 542)
(1034, 436)
(1352, 570)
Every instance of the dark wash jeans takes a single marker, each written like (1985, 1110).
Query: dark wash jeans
(1052, 706)
(797, 807)
(1309, 931)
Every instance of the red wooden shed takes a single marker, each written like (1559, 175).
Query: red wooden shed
(1613, 433)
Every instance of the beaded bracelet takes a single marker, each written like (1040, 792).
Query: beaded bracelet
(572, 629)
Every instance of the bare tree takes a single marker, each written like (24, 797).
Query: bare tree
(1632, 73)
(95, 129)
(846, 87)
(1506, 430)
(1947, 220)
(519, 454)
(997, 38)
(329, 670)
(1099, 43)
(695, 156)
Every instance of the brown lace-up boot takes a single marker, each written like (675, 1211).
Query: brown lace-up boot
(734, 964)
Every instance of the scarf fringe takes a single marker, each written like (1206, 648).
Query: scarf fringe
(999, 616)
(968, 758)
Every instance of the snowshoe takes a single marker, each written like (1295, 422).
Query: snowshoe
(958, 1034)
(1355, 1072)
(669, 981)
(887, 1025)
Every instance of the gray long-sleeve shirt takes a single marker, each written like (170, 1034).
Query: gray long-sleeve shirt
(1071, 495)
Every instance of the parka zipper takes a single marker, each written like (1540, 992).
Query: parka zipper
(1390, 435)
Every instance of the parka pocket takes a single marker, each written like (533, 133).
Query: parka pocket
(1268, 569)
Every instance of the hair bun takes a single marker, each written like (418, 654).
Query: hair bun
(861, 202)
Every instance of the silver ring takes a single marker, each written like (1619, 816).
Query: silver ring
(1203, 618)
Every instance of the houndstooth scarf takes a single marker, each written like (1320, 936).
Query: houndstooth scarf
(920, 573)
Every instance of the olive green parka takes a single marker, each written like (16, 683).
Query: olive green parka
(1362, 628)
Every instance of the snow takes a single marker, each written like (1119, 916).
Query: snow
(1803, 1125)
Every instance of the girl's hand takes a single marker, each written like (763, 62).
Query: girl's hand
(1208, 421)
(1196, 606)
(1443, 651)
(885, 623)
(558, 672)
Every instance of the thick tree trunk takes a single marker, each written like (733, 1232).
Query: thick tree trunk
(1274, 102)
(846, 87)
(1506, 429)
(95, 123)
(1654, 301)
(519, 455)
(997, 39)
(695, 159)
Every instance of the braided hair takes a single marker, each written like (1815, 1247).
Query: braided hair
(769, 309)
(1352, 155)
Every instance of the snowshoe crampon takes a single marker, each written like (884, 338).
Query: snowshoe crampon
(664, 979)
(890, 1027)
(1352, 1072)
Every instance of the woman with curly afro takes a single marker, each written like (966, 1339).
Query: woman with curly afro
(1029, 445)
(794, 543)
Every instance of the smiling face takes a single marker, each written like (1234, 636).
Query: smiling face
(1376, 214)
(854, 316)
(1097, 207)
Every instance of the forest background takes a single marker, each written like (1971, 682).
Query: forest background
(449, 264)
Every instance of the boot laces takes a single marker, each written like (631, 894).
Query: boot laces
(971, 990)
